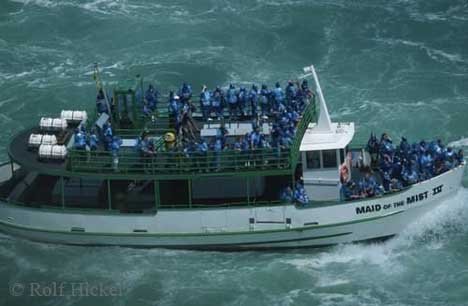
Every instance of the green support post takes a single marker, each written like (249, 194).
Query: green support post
(248, 190)
(157, 197)
(109, 195)
(189, 182)
(135, 115)
(62, 191)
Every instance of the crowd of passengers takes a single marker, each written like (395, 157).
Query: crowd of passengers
(401, 165)
(283, 107)
(298, 195)
(90, 140)
(240, 101)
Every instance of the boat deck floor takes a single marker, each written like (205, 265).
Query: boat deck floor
(21, 154)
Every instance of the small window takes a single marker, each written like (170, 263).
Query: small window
(329, 158)
(313, 159)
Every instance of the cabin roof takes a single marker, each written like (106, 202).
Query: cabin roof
(337, 137)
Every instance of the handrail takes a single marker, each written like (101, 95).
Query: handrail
(137, 132)
(309, 115)
(170, 163)
(146, 211)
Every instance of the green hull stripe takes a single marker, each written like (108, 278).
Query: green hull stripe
(298, 229)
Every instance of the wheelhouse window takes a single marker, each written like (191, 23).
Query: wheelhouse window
(329, 159)
(313, 159)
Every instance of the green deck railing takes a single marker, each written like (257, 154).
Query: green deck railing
(173, 164)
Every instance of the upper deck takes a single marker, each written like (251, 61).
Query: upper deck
(169, 164)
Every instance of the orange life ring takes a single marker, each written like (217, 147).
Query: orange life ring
(344, 173)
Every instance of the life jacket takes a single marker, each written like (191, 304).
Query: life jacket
(231, 96)
(93, 141)
(241, 96)
(108, 132)
(278, 93)
(264, 96)
(206, 98)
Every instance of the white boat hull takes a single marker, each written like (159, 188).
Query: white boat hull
(282, 226)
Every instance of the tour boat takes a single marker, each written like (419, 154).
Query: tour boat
(54, 193)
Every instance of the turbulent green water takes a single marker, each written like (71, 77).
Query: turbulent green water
(396, 66)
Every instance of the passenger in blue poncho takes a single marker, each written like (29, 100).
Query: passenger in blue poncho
(287, 195)
(185, 93)
(368, 186)
(93, 140)
(265, 101)
(291, 92)
(278, 94)
(410, 175)
(253, 99)
(231, 97)
(450, 157)
(108, 135)
(386, 181)
(242, 98)
(404, 148)
(151, 97)
(217, 101)
(218, 148)
(80, 140)
(255, 138)
(395, 185)
(386, 145)
(349, 191)
(300, 195)
(205, 102)
(174, 110)
(115, 145)
(426, 164)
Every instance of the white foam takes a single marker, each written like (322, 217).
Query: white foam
(435, 54)
(327, 281)
(389, 256)
(7, 101)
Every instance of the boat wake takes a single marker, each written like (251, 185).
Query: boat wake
(437, 228)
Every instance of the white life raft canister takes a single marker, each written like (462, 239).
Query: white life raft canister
(74, 116)
(57, 152)
(53, 124)
(35, 140)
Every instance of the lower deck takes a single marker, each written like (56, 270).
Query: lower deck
(140, 196)
(255, 227)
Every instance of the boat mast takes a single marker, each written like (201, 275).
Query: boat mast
(100, 86)
(324, 122)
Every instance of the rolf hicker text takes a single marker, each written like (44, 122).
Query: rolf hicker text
(57, 289)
